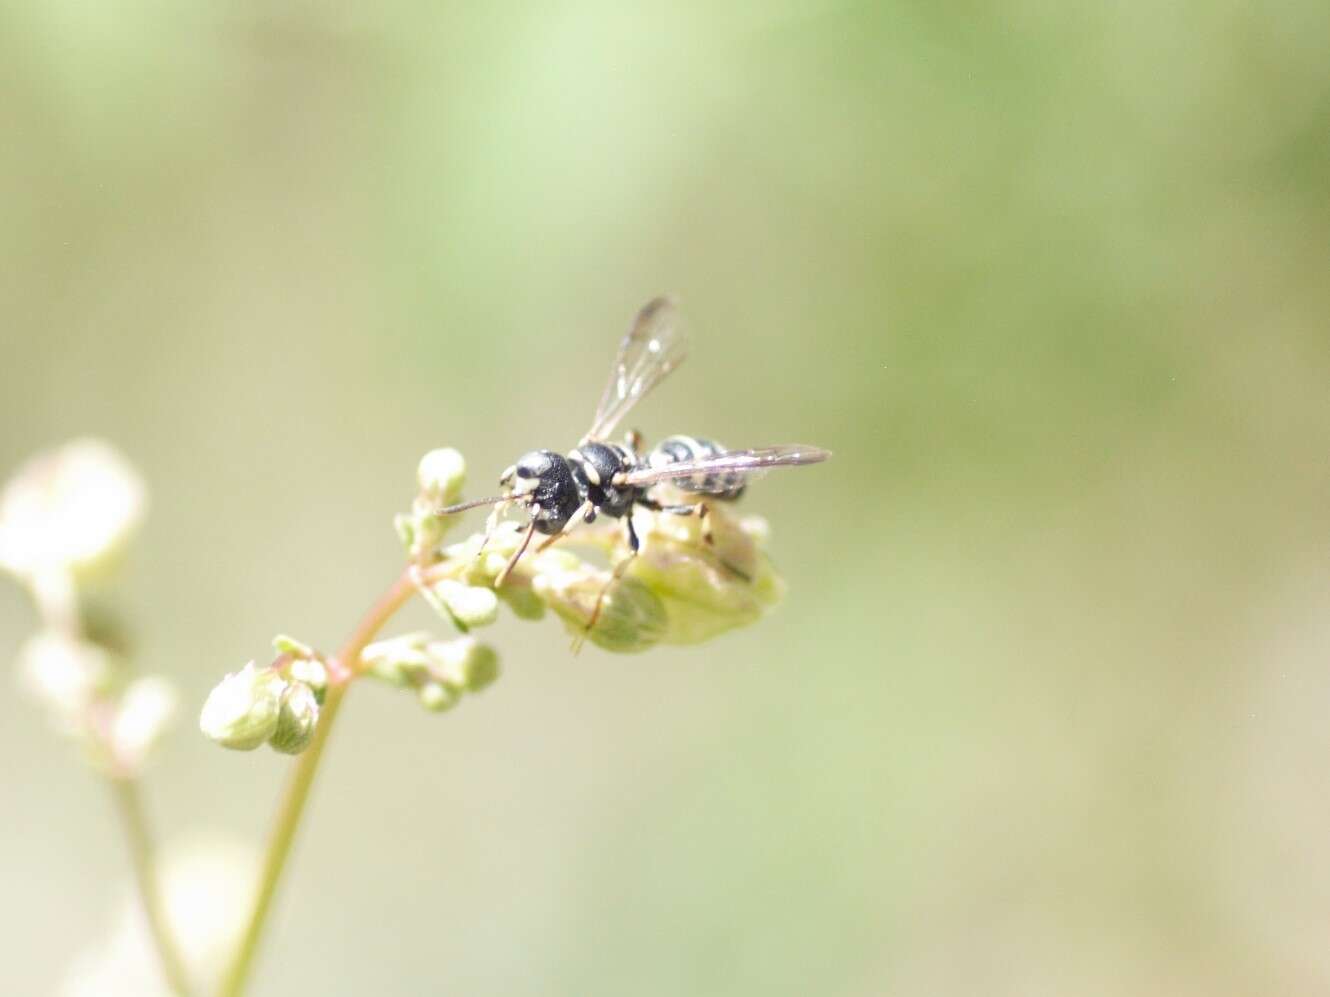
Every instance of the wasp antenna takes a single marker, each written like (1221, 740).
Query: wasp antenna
(512, 561)
(450, 510)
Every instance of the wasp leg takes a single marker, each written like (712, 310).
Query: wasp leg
(491, 524)
(634, 545)
(526, 539)
(699, 509)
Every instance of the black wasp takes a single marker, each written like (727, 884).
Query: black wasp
(599, 477)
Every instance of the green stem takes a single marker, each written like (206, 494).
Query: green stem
(130, 805)
(297, 793)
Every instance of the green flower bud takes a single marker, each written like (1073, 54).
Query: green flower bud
(424, 530)
(481, 568)
(632, 617)
(524, 603)
(464, 663)
(296, 720)
(293, 647)
(468, 605)
(438, 696)
(706, 588)
(405, 527)
(400, 661)
(441, 474)
(145, 711)
(313, 673)
(241, 712)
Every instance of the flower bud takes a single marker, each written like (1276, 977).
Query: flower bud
(296, 720)
(468, 605)
(524, 603)
(289, 645)
(69, 512)
(64, 674)
(441, 474)
(632, 617)
(145, 711)
(464, 663)
(756, 528)
(206, 882)
(421, 530)
(405, 528)
(707, 588)
(311, 672)
(400, 661)
(438, 696)
(242, 711)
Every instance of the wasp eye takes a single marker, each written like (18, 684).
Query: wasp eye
(525, 472)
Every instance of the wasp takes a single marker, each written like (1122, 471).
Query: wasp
(600, 477)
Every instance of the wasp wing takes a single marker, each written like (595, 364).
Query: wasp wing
(739, 463)
(654, 346)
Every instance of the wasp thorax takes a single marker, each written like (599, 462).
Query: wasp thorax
(595, 467)
(544, 478)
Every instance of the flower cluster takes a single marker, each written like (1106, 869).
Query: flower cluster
(65, 519)
(438, 671)
(277, 706)
(686, 585)
(682, 588)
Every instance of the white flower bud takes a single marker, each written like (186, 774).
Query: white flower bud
(438, 696)
(241, 712)
(145, 711)
(313, 673)
(64, 674)
(441, 474)
(296, 720)
(464, 663)
(756, 528)
(69, 512)
(469, 605)
(205, 886)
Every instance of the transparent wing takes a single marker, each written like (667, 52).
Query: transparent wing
(741, 463)
(654, 346)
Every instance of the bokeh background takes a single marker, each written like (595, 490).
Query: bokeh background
(1046, 710)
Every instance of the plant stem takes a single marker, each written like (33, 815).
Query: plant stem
(297, 792)
(130, 805)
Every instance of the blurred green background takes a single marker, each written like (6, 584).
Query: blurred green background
(1045, 711)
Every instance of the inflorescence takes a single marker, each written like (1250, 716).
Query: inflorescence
(681, 589)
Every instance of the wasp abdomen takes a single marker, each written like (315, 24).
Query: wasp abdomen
(675, 449)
